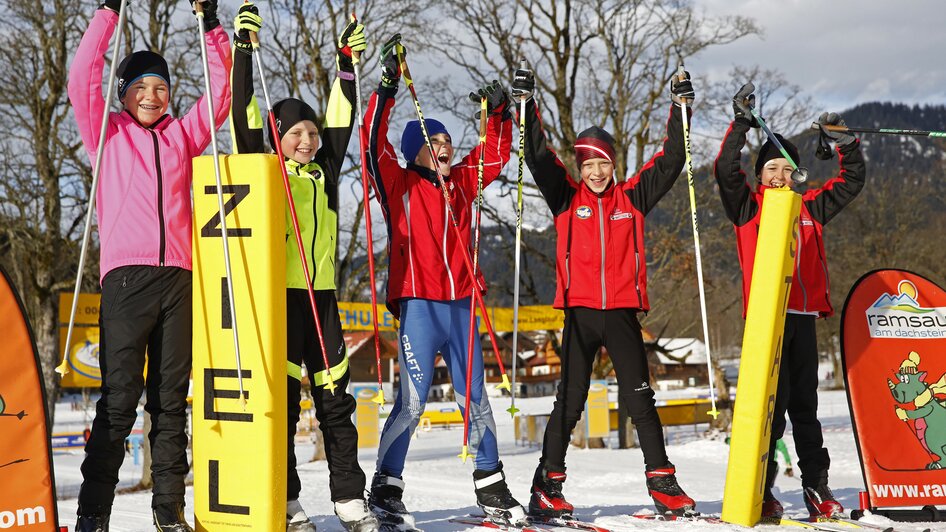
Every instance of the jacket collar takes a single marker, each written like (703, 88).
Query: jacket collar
(299, 169)
(153, 126)
(427, 174)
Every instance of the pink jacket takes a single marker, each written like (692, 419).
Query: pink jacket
(144, 192)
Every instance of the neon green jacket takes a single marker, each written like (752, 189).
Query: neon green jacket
(314, 185)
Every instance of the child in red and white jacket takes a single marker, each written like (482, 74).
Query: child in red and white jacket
(143, 204)
(602, 285)
(809, 298)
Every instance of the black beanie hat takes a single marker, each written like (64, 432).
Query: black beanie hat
(594, 143)
(139, 65)
(770, 151)
(288, 113)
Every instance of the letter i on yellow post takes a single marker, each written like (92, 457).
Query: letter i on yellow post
(236, 441)
(761, 356)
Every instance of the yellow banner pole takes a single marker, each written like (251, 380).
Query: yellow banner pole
(761, 357)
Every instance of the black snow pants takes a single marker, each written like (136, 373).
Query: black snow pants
(142, 307)
(346, 478)
(798, 395)
(618, 330)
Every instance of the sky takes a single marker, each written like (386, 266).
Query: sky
(842, 52)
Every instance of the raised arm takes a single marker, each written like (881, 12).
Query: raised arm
(825, 203)
(660, 173)
(498, 139)
(85, 78)
(733, 189)
(246, 122)
(340, 114)
(195, 122)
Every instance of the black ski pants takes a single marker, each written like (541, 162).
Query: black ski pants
(798, 395)
(142, 307)
(346, 478)
(586, 330)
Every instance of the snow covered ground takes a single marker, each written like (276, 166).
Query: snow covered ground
(602, 483)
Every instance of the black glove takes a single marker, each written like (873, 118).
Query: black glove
(210, 14)
(351, 40)
(523, 84)
(841, 138)
(390, 66)
(680, 90)
(495, 96)
(246, 21)
(114, 5)
(742, 101)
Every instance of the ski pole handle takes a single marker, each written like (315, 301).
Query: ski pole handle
(682, 76)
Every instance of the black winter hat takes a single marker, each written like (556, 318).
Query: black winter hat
(288, 113)
(594, 143)
(138, 65)
(769, 151)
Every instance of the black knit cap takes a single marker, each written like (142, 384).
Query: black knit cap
(594, 143)
(290, 112)
(770, 151)
(138, 65)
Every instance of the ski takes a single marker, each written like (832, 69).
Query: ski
(568, 522)
(486, 523)
(853, 523)
(394, 527)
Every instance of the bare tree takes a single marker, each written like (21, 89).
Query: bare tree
(45, 178)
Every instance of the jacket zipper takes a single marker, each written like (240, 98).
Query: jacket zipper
(315, 227)
(637, 268)
(604, 291)
(157, 166)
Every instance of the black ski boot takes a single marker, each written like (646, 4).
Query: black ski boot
(669, 497)
(297, 520)
(170, 518)
(92, 523)
(821, 502)
(547, 498)
(385, 501)
(494, 498)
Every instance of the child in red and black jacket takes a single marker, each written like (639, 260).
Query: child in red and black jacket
(809, 298)
(602, 285)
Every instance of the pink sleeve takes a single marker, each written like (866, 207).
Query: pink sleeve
(85, 78)
(195, 122)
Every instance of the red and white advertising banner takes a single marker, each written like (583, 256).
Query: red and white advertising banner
(893, 345)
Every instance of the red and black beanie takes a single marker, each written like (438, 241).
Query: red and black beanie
(593, 143)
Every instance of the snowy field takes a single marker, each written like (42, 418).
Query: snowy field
(603, 484)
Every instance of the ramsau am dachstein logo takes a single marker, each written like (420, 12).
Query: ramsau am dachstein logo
(901, 316)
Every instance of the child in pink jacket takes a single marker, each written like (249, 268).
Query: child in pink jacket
(144, 217)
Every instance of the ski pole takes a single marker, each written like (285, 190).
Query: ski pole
(468, 263)
(199, 11)
(478, 206)
(356, 59)
(63, 367)
(330, 385)
(696, 244)
(885, 131)
(799, 174)
(515, 287)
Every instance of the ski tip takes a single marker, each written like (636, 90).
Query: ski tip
(512, 411)
(714, 413)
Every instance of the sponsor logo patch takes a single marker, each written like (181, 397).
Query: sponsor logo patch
(901, 316)
(583, 212)
(618, 214)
